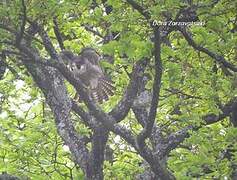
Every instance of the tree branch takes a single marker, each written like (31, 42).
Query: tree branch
(107, 120)
(46, 40)
(226, 111)
(90, 29)
(178, 91)
(58, 34)
(175, 139)
(146, 132)
(121, 110)
(99, 139)
(59, 102)
(23, 24)
(139, 8)
(219, 59)
(85, 117)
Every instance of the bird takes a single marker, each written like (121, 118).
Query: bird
(86, 67)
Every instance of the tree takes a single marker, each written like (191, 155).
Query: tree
(174, 112)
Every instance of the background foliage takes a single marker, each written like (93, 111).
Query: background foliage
(193, 85)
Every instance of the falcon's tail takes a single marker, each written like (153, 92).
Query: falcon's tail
(104, 89)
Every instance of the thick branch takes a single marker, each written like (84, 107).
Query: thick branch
(174, 140)
(46, 41)
(156, 90)
(107, 120)
(123, 107)
(51, 83)
(99, 139)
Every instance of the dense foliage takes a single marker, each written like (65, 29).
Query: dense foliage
(174, 113)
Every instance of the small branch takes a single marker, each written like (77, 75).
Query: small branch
(177, 91)
(139, 8)
(58, 34)
(175, 139)
(4, 62)
(90, 29)
(226, 111)
(216, 57)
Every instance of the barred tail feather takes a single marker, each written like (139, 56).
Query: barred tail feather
(103, 90)
(107, 86)
(107, 82)
(104, 94)
(100, 96)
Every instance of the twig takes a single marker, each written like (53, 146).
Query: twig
(177, 91)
